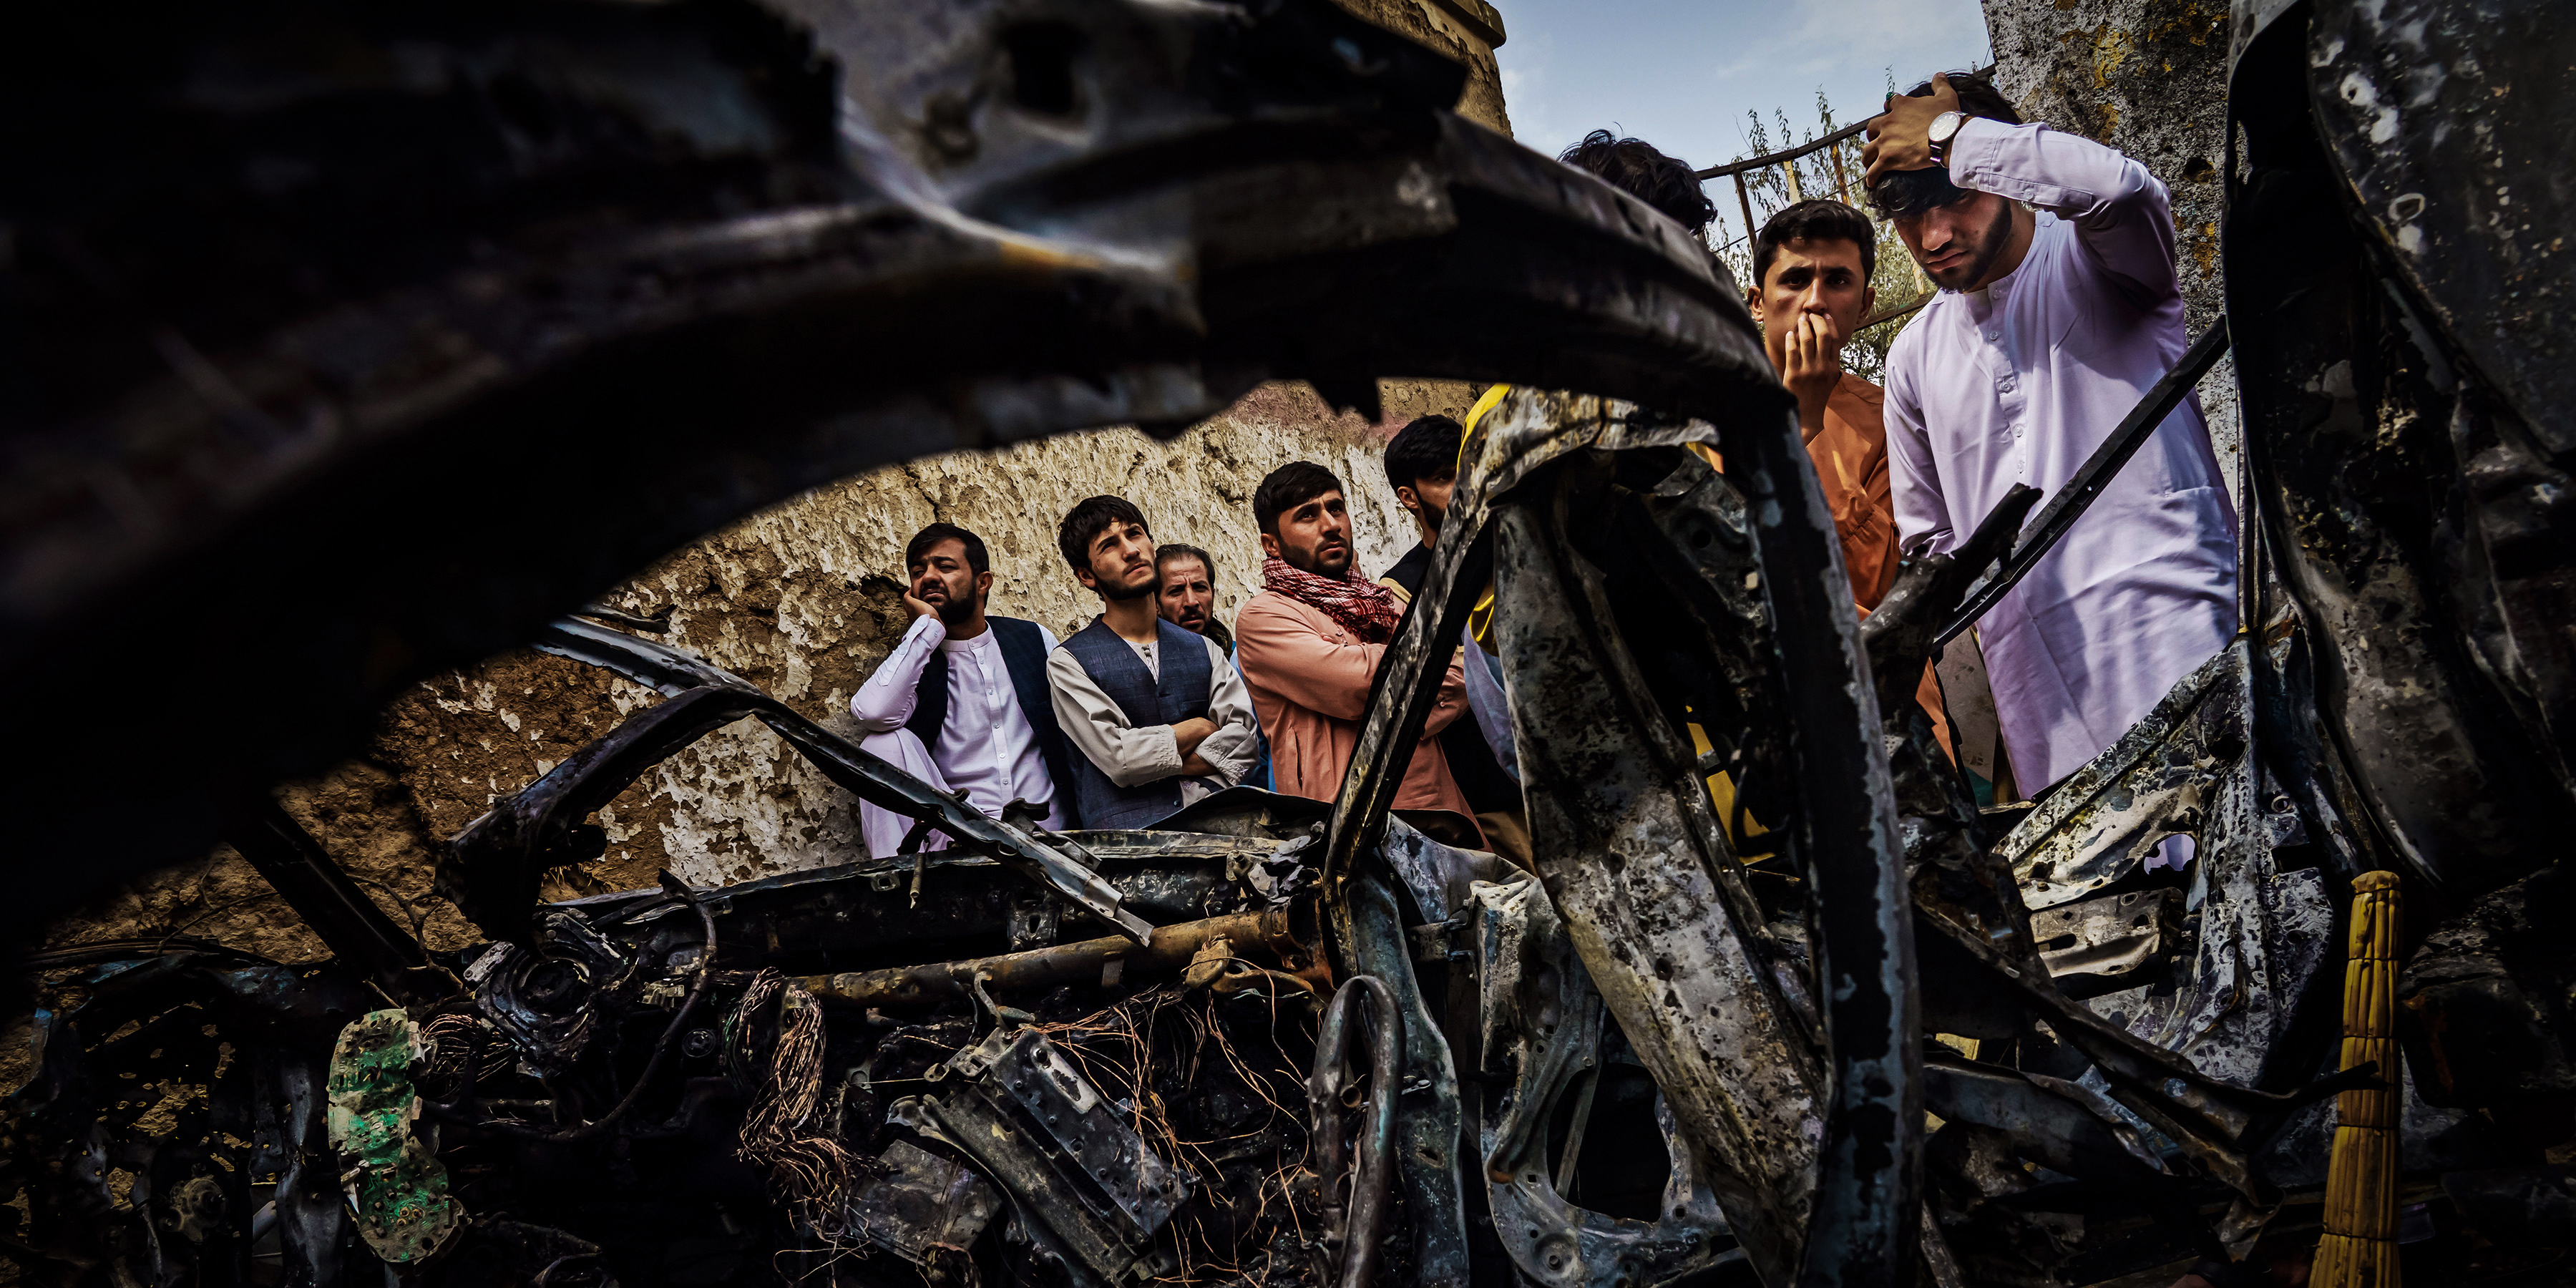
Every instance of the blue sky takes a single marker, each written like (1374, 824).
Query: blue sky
(1681, 74)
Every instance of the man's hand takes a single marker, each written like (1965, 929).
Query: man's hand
(915, 605)
(1188, 734)
(1811, 365)
(1898, 138)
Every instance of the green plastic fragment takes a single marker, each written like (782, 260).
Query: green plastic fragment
(389, 1164)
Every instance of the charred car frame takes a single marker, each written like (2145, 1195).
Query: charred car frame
(1268, 1040)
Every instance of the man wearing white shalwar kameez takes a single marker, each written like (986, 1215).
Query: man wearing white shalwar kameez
(962, 702)
(2055, 323)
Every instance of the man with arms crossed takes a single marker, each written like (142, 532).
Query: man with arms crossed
(1311, 641)
(2050, 327)
(961, 703)
(1156, 716)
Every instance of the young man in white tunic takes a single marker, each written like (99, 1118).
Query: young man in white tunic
(963, 703)
(2059, 309)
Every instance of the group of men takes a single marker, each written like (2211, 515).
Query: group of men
(2059, 307)
(1157, 703)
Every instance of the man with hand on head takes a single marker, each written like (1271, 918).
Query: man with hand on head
(962, 703)
(1811, 269)
(1311, 641)
(2051, 325)
(1156, 715)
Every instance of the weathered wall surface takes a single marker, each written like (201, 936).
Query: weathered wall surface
(2148, 77)
(803, 600)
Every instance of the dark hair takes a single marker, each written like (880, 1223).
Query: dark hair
(1088, 520)
(1425, 449)
(1813, 221)
(1286, 488)
(1911, 192)
(1635, 167)
(1170, 551)
(922, 541)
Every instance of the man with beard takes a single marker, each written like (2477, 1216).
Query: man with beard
(1187, 592)
(1188, 600)
(2059, 310)
(1422, 467)
(961, 703)
(1311, 641)
(1156, 715)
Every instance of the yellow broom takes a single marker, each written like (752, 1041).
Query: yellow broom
(2360, 1245)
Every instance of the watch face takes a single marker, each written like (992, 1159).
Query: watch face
(1945, 125)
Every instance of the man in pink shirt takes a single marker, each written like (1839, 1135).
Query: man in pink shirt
(1310, 642)
(2059, 310)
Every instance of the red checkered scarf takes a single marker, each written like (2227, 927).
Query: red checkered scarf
(1362, 607)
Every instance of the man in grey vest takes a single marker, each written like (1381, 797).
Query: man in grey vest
(962, 701)
(1155, 715)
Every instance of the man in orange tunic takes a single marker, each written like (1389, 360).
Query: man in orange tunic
(1811, 265)
(1309, 645)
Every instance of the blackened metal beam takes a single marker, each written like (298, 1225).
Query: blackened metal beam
(349, 923)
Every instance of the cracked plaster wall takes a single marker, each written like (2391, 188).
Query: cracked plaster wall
(803, 600)
(2148, 77)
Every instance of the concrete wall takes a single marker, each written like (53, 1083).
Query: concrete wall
(2148, 77)
(803, 600)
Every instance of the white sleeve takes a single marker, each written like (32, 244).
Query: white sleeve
(886, 699)
(2122, 215)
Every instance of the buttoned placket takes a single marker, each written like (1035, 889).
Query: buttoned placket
(2008, 398)
(993, 718)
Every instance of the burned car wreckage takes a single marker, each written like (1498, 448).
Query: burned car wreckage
(1268, 1039)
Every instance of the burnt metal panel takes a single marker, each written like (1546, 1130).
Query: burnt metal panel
(1041, 1131)
(922, 1202)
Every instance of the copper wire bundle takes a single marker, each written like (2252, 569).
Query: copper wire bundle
(807, 1165)
(1112, 1047)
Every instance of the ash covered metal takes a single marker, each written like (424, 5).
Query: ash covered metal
(1267, 1040)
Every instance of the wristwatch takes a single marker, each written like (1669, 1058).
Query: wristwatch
(1944, 128)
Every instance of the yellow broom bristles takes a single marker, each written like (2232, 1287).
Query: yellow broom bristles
(2360, 1245)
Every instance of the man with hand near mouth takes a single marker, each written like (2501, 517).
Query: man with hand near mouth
(1156, 715)
(961, 703)
(2059, 310)
(1311, 641)
(1811, 268)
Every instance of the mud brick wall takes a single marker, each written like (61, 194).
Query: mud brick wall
(803, 600)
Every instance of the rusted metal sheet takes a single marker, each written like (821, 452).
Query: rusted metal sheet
(1168, 949)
